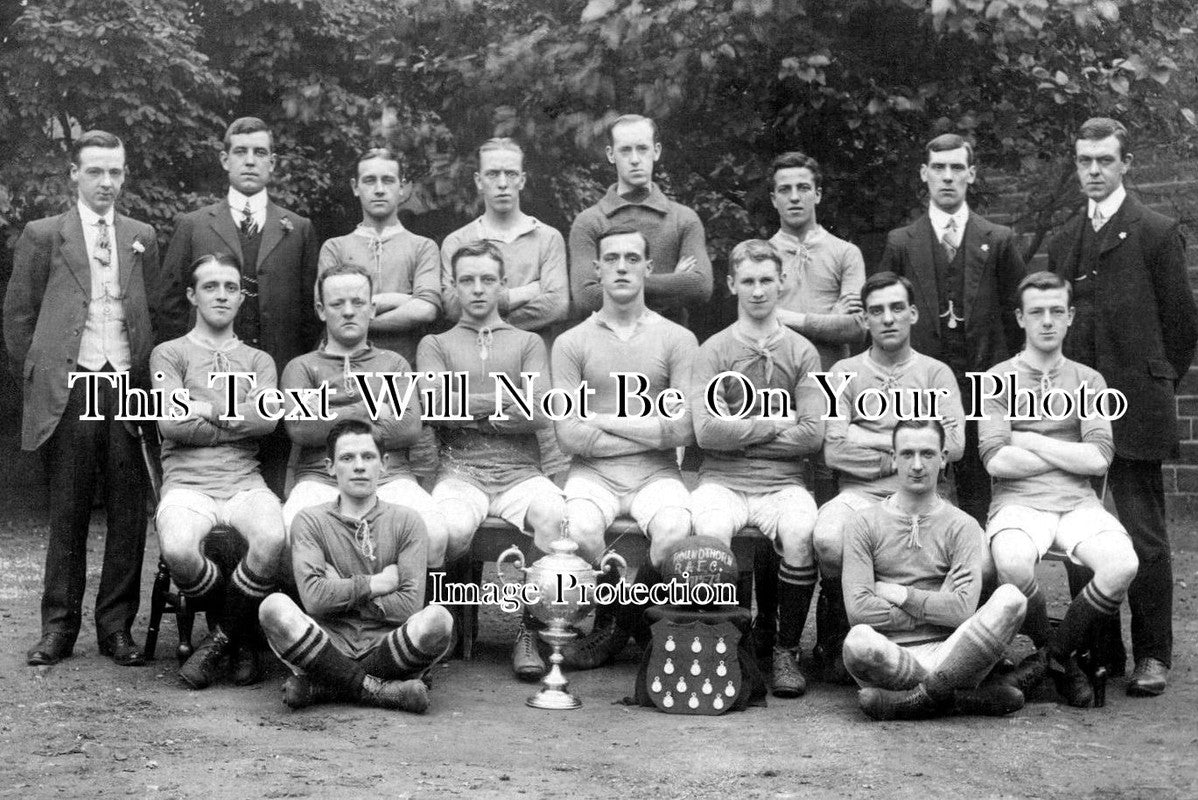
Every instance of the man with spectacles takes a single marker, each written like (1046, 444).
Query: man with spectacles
(79, 300)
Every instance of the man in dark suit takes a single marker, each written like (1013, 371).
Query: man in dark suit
(278, 250)
(1136, 323)
(77, 303)
(965, 271)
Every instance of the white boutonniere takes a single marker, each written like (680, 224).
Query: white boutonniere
(985, 248)
(1122, 234)
(286, 226)
(138, 247)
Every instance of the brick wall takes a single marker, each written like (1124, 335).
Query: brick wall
(1169, 185)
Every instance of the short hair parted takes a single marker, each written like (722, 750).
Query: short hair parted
(94, 138)
(881, 280)
(343, 268)
(1044, 281)
(349, 427)
(629, 119)
(793, 159)
(1101, 127)
(757, 250)
(384, 153)
(622, 230)
(950, 141)
(246, 125)
(917, 425)
(500, 143)
(222, 259)
(477, 249)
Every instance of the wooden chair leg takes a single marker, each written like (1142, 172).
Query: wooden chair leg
(158, 600)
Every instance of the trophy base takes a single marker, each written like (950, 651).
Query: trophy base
(554, 700)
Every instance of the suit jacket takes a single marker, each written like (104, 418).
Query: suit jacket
(993, 269)
(46, 307)
(286, 275)
(1144, 317)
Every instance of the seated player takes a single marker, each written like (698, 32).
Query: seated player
(490, 465)
(912, 577)
(360, 568)
(211, 475)
(753, 468)
(343, 303)
(857, 441)
(1043, 498)
(624, 463)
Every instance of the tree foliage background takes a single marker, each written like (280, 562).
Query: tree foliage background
(859, 84)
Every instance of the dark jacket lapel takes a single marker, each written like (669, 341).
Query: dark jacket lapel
(221, 220)
(923, 268)
(74, 249)
(977, 236)
(1120, 225)
(272, 234)
(124, 248)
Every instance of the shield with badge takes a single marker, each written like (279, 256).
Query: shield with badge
(693, 667)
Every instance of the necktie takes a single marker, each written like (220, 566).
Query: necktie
(103, 246)
(248, 227)
(951, 240)
(1098, 220)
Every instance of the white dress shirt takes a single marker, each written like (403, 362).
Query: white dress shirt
(1109, 205)
(939, 219)
(256, 202)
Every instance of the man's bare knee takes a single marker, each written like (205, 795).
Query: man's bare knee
(277, 614)
(716, 525)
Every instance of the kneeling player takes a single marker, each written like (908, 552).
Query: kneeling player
(360, 567)
(211, 474)
(1043, 498)
(912, 578)
(753, 468)
(490, 465)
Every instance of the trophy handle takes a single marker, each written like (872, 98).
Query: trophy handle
(517, 557)
(614, 557)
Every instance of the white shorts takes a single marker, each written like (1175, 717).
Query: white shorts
(511, 505)
(763, 510)
(248, 503)
(403, 491)
(642, 505)
(1050, 530)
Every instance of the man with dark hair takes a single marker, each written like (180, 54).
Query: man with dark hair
(211, 476)
(753, 465)
(822, 275)
(79, 301)
(359, 564)
(964, 271)
(343, 303)
(403, 265)
(491, 463)
(857, 439)
(1136, 323)
(912, 578)
(624, 463)
(1042, 460)
(277, 249)
(535, 294)
(673, 233)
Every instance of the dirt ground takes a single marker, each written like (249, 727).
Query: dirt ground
(86, 728)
